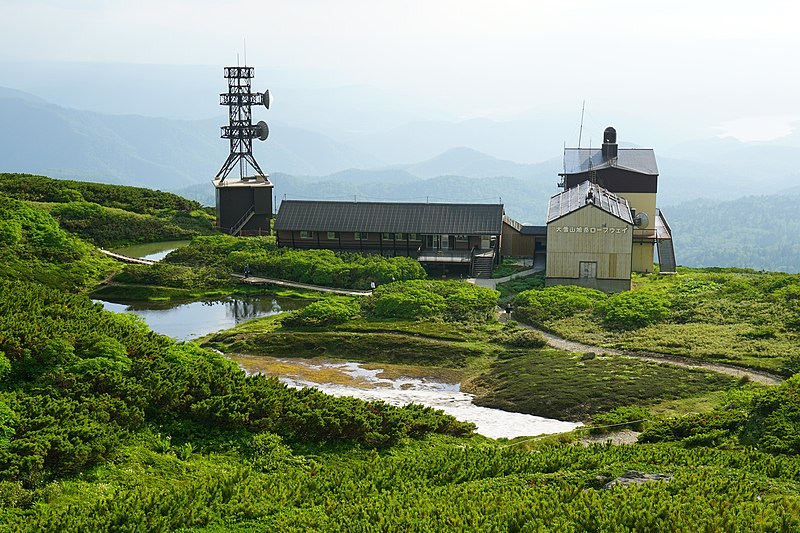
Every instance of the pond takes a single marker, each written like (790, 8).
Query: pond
(155, 251)
(187, 321)
(400, 386)
(393, 384)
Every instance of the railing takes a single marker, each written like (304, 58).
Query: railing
(242, 221)
(660, 215)
(445, 256)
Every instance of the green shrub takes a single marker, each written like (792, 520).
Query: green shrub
(410, 303)
(627, 417)
(696, 427)
(325, 312)
(553, 303)
(774, 422)
(450, 300)
(635, 309)
(522, 338)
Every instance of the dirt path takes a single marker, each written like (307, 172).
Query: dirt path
(572, 346)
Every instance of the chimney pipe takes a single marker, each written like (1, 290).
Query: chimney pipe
(609, 149)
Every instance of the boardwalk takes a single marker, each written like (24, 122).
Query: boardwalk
(127, 259)
(257, 280)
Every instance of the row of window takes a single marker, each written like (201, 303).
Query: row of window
(362, 236)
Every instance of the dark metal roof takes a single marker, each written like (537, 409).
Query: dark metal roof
(452, 219)
(578, 197)
(525, 229)
(640, 160)
(534, 230)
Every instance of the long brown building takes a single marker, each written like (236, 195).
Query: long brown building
(457, 235)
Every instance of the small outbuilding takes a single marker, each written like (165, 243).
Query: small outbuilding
(589, 239)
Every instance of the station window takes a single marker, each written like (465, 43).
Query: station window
(462, 238)
(413, 237)
(333, 235)
(399, 237)
(361, 236)
(306, 234)
(386, 236)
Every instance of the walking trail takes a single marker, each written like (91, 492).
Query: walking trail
(257, 280)
(572, 346)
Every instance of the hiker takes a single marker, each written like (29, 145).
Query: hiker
(372, 285)
(246, 271)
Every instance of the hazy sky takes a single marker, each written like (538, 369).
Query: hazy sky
(731, 64)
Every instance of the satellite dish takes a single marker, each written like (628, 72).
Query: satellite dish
(267, 99)
(641, 220)
(262, 130)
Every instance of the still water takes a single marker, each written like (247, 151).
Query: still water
(155, 251)
(188, 321)
(389, 383)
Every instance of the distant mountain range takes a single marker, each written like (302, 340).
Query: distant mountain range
(183, 155)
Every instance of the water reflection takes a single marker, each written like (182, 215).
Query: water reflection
(191, 320)
(155, 251)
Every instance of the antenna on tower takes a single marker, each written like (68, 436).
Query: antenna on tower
(580, 131)
(240, 130)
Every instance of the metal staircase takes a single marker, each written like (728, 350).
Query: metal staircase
(666, 251)
(242, 221)
(482, 264)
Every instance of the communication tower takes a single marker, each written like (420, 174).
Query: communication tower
(244, 202)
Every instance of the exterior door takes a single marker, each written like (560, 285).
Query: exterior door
(588, 269)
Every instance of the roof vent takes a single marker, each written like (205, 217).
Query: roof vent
(609, 148)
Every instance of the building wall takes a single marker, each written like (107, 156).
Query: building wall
(234, 201)
(617, 180)
(642, 202)
(515, 244)
(603, 239)
(642, 257)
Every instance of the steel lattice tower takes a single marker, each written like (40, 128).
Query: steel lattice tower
(240, 130)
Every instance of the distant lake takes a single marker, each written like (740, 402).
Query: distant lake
(186, 321)
(155, 251)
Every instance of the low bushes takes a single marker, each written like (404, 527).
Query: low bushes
(634, 309)
(449, 300)
(552, 303)
(325, 312)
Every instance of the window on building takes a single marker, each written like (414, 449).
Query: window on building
(361, 236)
(413, 237)
(333, 235)
(461, 238)
(306, 234)
(386, 236)
(399, 237)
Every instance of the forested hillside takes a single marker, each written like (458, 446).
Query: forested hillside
(111, 215)
(759, 232)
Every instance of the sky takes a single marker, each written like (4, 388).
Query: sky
(717, 67)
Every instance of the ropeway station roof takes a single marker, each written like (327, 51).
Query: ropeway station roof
(586, 193)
